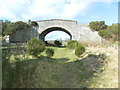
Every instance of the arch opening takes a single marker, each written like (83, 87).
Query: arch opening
(57, 35)
(50, 30)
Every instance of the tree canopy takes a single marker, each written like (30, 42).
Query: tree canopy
(9, 27)
(111, 33)
(97, 25)
(107, 32)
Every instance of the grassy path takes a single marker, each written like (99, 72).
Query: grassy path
(100, 61)
(66, 77)
(65, 54)
(97, 69)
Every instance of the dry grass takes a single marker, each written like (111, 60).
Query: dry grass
(109, 77)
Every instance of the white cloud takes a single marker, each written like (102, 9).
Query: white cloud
(11, 9)
(74, 8)
(43, 9)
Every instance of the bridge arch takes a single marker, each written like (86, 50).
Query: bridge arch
(50, 29)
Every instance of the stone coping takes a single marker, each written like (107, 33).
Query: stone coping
(56, 20)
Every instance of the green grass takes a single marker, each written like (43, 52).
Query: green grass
(64, 52)
(63, 70)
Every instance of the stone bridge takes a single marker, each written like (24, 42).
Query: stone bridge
(77, 32)
(81, 33)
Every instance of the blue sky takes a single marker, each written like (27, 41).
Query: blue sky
(57, 35)
(101, 11)
(83, 11)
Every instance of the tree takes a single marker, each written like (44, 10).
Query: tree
(9, 29)
(111, 33)
(35, 47)
(57, 43)
(4, 26)
(20, 25)
(97, 25)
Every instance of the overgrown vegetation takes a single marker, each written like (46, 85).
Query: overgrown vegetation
(111, 33)
(35, 47)
(10, 27)
(97, 25)
(78, 47)
(49, 52)
(64, 70)
(18, 74)
(57, 43)
(79, 50)
(96, 69)
(72, 44)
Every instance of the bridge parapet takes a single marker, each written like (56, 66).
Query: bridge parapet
(45, 24)
(58, 20)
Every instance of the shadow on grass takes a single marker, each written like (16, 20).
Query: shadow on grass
(55, 60)
(59, 46)
(59, 60)
(79, 74)
(42, 73)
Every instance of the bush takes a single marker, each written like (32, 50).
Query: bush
(46, 43)
(79, 50)
(97, 25)
(49, 52)
(105, 34)
(72, 44)
(33, 23)
(111, 33)
(16, 74)
(57, 43)
(35, 47)
(9, 27)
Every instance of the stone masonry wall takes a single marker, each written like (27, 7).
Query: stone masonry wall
(23, 35)
(81, 33)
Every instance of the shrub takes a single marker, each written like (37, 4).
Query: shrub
(97, 25)
(33, 23)
(111, 33)
(35, 47)
(57, 43)
(49, 52)
(46, 43)
(105, 34)
(79, 50)
(72, 44)
(9, 27)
